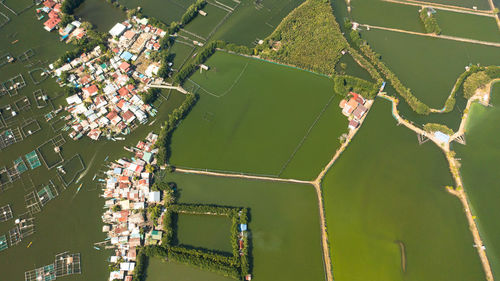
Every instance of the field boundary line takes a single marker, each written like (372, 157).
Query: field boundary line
(446, 37)
(230, 87)
(438, 6)
(308, 132)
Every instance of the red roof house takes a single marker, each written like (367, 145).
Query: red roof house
(51, 23)
(125, 67)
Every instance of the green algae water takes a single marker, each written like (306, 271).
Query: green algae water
(388, 214)
(205, 231)
(284, 227)
(100, 13)
(480, 158)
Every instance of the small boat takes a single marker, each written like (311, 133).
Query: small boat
(14, 42)
(106, 159)
(29, 245)
(94, 177)
(97, 248)
(78, 189)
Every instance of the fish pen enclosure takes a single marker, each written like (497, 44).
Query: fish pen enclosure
(4, 245)
(9, 137)
(41, 99)
(4, 19)
(58, 125)
(23, 104)
(51, 151)
(32, 202)
(47, 193)
(14, 84)
(5, 180)
(67, 264)
(38, 75)
(5, 213)
(20, 166)
(29, 127)
(25, 226)
(8, 112)
(45, 273)
(33, 160)
(70, 169)
(26, 55)
(5, 58)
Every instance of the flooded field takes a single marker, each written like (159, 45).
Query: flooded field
(164, 10)
(284, 225)
(479, 170)
(388, 211)
(250, 109)
(209, 232)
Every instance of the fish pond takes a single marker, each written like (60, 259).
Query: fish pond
(388, 214)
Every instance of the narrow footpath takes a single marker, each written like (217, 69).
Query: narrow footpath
(447, 37)
(444, 7)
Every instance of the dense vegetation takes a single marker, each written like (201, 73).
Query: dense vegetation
(480, 79)
(169, 126)
(429, 21)
(309, 37)
(433, 127)
(69, 6)
(343, 84)
(150, 95)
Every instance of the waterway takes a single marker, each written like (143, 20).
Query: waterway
(479, 171)
(386, 189)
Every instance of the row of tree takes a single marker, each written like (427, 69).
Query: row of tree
(150, 95)
(164, 138)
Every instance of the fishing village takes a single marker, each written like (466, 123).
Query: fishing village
(215, 140)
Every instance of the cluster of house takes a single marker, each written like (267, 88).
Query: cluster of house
(109, 102)
(354, 109)
(51, 10)
(128, 194)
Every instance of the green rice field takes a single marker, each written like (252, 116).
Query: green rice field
(479, 171)
(385, 194)
(205, 231)
(250, 109)
(182, 53)
(284, 225)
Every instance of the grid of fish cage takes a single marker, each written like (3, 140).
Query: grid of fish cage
(41, 98)
(5, 213)
(4, 245)
(32, 202)
(67, 264)
(30, 126)
(45, 273)
(25, 226)
(23, 104)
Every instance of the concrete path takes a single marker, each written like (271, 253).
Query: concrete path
(167, 86)
(437, 6)
(447, 37)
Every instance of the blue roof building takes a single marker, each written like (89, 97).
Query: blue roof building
(126, 56)
(243, 227)
(442, 137)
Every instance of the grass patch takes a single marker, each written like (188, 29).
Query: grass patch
(309, 37)
(248, 109)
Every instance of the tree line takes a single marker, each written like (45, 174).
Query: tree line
(69, 6)
(343, 84)
(429, 20)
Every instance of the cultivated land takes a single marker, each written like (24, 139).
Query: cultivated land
(249, 110)
(374, 199)
(479, 172)
(283, 220)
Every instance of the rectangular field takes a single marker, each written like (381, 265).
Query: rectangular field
(203, 25)
(249, 110)
(216, 231)
(284, 225)
(468, 26)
